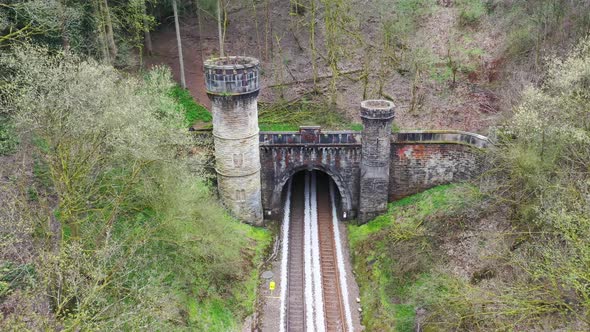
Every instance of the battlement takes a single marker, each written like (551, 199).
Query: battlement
(310, 135)
(232, 75)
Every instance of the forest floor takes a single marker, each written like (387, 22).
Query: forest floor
(471, 103)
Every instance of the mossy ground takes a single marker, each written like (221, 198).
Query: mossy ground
(195, 114)
(280, 116)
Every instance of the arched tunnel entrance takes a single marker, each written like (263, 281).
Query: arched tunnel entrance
(324, 182)
(326, 177)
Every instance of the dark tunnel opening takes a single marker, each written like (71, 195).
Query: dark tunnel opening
(323, 180)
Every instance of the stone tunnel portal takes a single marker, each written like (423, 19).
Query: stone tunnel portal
(369, 168)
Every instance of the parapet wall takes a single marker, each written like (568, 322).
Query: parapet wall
(424, 159)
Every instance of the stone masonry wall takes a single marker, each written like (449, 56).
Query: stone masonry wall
(237, 156)
(416, 167)
(377, 116)
(280, 163)
(232, 86)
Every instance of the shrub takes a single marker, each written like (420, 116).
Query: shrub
(471, 11)
(521, 39)
(541, 175)
(134, 236)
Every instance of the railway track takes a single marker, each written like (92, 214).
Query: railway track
(333, 306)
(334, 319)
(296, 277)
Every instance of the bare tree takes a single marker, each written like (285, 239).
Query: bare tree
(179, 42)
(149, 49)
(219, 29)
(109, 31)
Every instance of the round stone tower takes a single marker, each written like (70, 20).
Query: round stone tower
(232, 86)
(377, 116)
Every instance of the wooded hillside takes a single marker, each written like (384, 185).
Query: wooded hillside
(109, 218)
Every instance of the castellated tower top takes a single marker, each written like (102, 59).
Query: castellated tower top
(232, 75)
(377, 109)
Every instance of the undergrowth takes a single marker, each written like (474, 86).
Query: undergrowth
(126, 237)
(471, 11)
(288, 116)
(420, 205)
(394, 256)
(8, 139)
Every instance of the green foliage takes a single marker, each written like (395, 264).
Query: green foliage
(135, 239)
(401, 18)
(545, 170)
(471, 11)
(8, 138)
(421, 205)
(533, 25)
(14, 276)
(356, 126)
(521, 39)
(83, 27)
(193, 112)
(41, 172)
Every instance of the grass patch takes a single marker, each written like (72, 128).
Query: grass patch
(193, 112)
(288, 116)
(211, 314)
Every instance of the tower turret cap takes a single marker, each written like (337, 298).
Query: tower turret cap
(232, 62)
(377, 109)
(232, 75)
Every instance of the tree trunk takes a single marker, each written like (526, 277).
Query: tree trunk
(314, 67)
(109, 27)
(65, 38)
(149, 49)
(180, 59)
(219, 30)
(104, 49)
